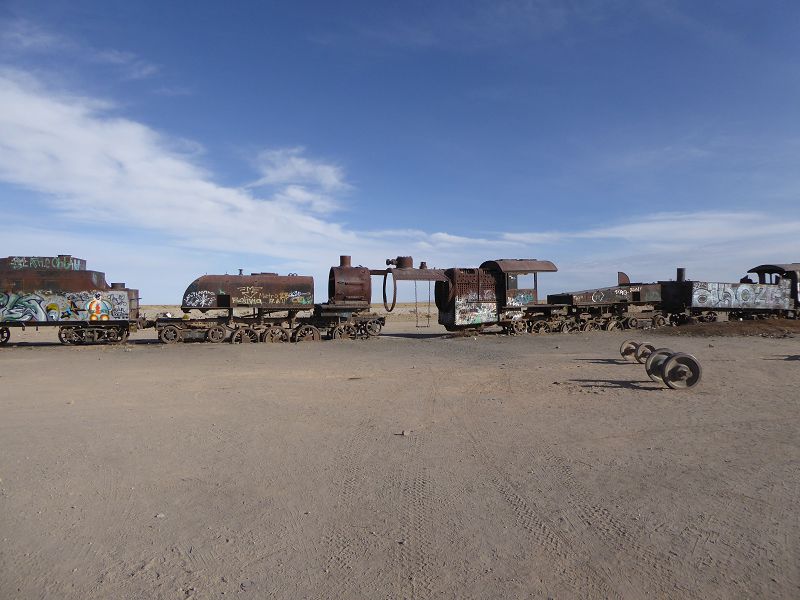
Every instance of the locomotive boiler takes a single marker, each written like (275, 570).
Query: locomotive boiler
(59, 291)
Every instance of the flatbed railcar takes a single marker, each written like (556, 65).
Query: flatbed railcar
(59, 291)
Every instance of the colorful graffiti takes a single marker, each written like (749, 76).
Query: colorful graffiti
(520, 297)
(470, 310)
(741, 295)
(199, 299)
(69, 306)
(65, 263)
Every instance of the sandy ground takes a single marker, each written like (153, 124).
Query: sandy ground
(533, 466)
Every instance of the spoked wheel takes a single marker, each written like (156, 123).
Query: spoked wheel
(659, 321)
(343, 332)
(66, 335)
(655, 362)
(643, 351)
(590, 326)
(275, 335)
(244, 335)
(710, 317)
(170, 334)
(570, 327)
(216, 334)
(307, 333)
(374, 328)
(681, 371)
(627, 349)
(518, 326)
(611, 325)
(115, 335)
(540, 327)
(632, 322)
(5, 335)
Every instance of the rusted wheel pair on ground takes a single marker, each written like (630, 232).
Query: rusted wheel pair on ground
(676, 370)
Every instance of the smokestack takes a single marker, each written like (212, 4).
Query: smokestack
(344, 260)
(681, 275)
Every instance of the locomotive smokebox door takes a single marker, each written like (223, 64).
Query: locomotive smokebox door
(348, 285)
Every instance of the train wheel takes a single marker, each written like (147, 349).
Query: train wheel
(681, 371)
(570, 327)
(343, 332)
(114, 335)
(307, 333)
(244, 335)
(631, 322)
(611, 325)
(216, 334)
(540, 327)
(655, 362)
(643, 350)
(590, 326)
(518, 326)
(66, 335)
(627, 349)
(710, 317)
(275, 335)
(374, 328)
(659, 321)
(170, 334)
(5, 335)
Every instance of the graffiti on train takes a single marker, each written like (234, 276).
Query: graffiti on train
(63, 263)
(741, 295)
(67, 306)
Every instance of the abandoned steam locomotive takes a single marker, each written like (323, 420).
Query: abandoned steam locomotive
(58, 291)
(280, 308)
(493, 295)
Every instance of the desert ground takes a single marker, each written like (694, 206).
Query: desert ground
(415, 465)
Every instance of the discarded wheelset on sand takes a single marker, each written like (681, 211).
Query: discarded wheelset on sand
(676, 370)
(638, 351)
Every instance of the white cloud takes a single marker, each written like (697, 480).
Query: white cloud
(95, 168)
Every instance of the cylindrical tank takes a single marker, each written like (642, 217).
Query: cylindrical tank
(260, 290)
(349, 285)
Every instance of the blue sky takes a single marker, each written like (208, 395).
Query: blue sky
(164, 140)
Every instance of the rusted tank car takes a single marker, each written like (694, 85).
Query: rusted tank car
(58, 291)
(282, 308)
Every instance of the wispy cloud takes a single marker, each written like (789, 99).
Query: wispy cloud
(96, 169)
(132, 66)
(298, 179)
(20, 38)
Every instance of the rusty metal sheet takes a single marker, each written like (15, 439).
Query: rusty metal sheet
(418, 274)
(259, 290)
(519, 265)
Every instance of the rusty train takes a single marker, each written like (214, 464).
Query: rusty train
(491, 295)
(266, 307)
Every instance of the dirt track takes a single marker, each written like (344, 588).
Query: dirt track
(533, 466)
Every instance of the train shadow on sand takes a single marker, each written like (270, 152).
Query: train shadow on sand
(784, 357)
